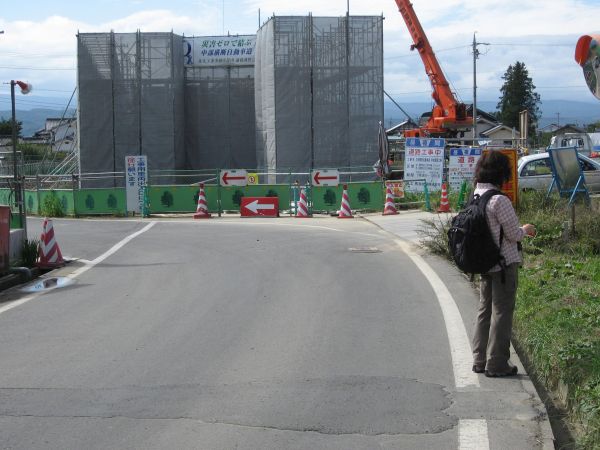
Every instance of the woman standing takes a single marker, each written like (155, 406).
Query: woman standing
(491, 342)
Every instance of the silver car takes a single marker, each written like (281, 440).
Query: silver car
(535, 172)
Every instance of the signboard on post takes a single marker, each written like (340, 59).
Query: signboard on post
(234, 177)
(325, 177)
(462, 165)
(136, 179)
(424, 162)
(259, 206)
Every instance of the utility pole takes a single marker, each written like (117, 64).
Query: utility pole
(476, 54)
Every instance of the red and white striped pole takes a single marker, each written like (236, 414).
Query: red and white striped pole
(390, 207)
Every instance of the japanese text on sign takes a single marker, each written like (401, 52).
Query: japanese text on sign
(136, 179)
(424, 162)
(462, 165)
(219, 50)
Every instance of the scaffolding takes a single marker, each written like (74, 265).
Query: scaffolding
(319, 91)
(130, 100)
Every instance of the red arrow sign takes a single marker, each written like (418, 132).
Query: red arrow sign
(318, 178)
(259, 206)
(227, 178)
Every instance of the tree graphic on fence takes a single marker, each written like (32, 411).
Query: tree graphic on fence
(364, 196)
(167, 199)
(65, 203)
(89, 202)
(271, 193)
(329, 197)
(30, 202)
(111, 201)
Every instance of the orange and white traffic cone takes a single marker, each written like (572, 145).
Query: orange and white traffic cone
(390, 207)
(444, 204)
(50, 256)
(345, 211)
(302, 208)
(202, 209)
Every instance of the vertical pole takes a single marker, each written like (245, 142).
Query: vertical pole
(427, 200)
(18, 191)
(219, 191)
(475, 55)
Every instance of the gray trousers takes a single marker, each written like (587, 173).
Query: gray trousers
(491, 342)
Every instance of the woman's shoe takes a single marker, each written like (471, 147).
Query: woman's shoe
(478, 369)
(512, 371)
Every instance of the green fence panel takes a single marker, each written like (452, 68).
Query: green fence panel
(179, 199)
(31, 202)
(65, 196)
(100, 201)
(362, 196)
(6, 197)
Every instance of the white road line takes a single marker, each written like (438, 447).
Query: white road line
(460, 347)
(82, 269)
(473, 435)
(111, 251)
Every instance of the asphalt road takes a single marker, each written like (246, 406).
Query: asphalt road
(256, 334)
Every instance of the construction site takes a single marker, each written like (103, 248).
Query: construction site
(308, 93)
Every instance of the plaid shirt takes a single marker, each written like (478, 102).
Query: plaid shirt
(500, 212)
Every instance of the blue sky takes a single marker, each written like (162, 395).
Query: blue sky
(39, 43)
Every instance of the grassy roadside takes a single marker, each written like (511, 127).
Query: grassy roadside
(557, 318)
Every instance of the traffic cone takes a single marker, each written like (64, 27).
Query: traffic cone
(345, 211)
(49, 251)
(202, 209)
(390, 207)
(444, 204)
(302, 209)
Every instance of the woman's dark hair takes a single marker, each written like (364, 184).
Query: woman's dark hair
(493, 167)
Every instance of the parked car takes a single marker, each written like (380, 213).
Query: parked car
(535, 172)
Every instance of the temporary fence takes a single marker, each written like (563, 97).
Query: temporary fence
(176, 192)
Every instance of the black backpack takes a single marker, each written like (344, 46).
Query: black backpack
(469, 238)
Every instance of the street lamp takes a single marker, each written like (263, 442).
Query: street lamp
(25, 89)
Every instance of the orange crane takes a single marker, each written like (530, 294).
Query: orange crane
(449, 116)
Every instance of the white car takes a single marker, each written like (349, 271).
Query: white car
(535, 172)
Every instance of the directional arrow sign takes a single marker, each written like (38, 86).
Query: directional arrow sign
(325, 177)
(259, 206)
(234, 177)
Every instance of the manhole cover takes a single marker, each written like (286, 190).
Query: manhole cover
(47, 284)
(365, 250)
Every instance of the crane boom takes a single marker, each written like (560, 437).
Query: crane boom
(448, 115)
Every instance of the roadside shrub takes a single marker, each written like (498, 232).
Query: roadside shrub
(433, 235)
(52, 206)
(29, 253)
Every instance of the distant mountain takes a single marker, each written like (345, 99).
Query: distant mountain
(34, 119)
(553, 111)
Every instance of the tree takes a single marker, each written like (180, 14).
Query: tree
(518, 94)
(6, 127)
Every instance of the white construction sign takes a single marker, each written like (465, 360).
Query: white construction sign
(462, 165)
(136, 179)
(423, 163)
